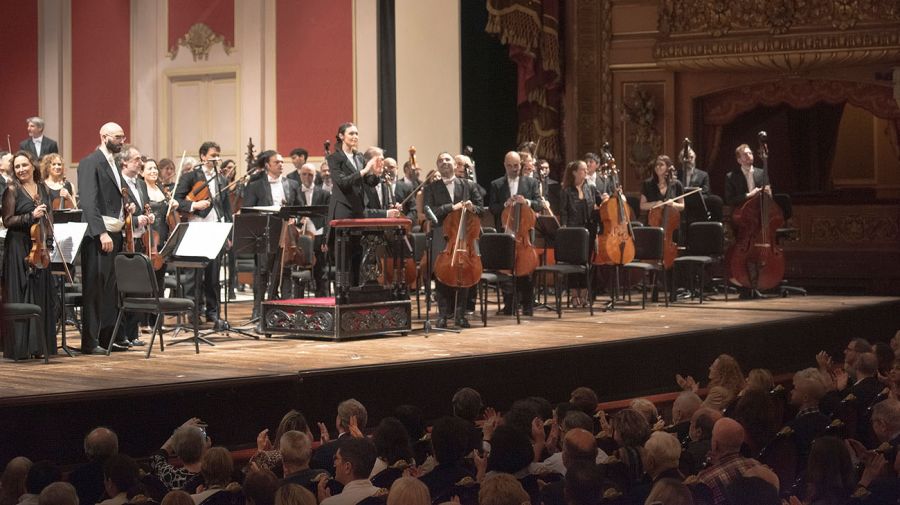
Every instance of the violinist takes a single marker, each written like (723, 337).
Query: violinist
(215, 208)
(578, 201)
(167, 175)
(747, 180)
(100, 188)
(693, 177)
(380, 201)
(271, 190)
(310, 194)
(160, 201)
(443, 196)
(61, 191)
(132, 164)
(25, 202)
(512, 189)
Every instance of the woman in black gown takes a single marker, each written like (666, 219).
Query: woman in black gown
(578, 201)
(26, 200)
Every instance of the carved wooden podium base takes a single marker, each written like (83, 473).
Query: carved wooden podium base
(322, 319)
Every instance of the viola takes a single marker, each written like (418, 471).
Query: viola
(151, 242)
(41, 240)
(172, 218)
(616, 245)
(128, 229)
(668, 218)
(459, 265)
(519, 220)
(60, 203)
(755, 260)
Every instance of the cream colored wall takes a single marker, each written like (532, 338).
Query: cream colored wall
(428, 78)
(55, 75)
(365, 72)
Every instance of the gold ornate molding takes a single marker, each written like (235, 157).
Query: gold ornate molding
(781, 35)
(199, 39)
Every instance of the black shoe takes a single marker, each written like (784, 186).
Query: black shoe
(95, 350)
(505, 311)
(528, 312)
(463, 323)
(137, 342)
(232, 295)
(441, 323)
(117, 347)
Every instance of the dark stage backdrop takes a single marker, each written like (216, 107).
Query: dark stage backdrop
(488, 93)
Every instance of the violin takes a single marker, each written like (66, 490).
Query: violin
(616, 245)
(128, 229)
(668, 218)
(61, 203)
(519, 220)
(151, 242)
(172, 218)
(41, 240)
(755, 260)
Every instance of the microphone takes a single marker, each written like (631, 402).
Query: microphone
(684, 151)
(762, 136)
(430, 215)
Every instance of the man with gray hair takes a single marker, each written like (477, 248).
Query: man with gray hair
(99, 445)
(809, 389)
(683, 409)
(349, 412)
(662, 453)
(296, 449)
(886, 422)
(36, 143)
(58, 493)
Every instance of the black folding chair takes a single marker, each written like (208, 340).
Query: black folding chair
(648, 253)
(706, 246)
(572, 253)
(498, 260)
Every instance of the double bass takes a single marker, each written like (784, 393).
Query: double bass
(755, 260)
(459, 265)
(615, 246)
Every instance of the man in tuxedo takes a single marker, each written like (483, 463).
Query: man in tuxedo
(549, 187)
(36, 143)
(402, 189)
(131, 162)
(693, 177)
(745, 181)
(311, 194)
(512, 189)
(215, 209)
(442, 197)
(100, 187)
(323, 178)
(380, 199)
(273, 189)
(298, 159)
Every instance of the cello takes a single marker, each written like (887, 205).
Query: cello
(519, 220)
(668, 218)
(459, 265)
(615, 246)
(755, 261)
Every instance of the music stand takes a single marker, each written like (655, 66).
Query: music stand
(61, 216)
(69, 236)
(256, 232)
(429, 274)
(194, 246)
(546, 227)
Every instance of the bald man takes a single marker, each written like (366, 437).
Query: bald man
(99, 445)
(100, 188)
(728, 464)
(579, 446)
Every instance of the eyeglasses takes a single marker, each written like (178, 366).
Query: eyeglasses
(116, 137)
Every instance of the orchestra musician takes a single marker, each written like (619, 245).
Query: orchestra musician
(167, 175)
(662, 185)
(36, 143)
(402, 189)
(578, 201)
(278, 191)
(597, 178)
(746, 180)
(215, 209)
(549, 187)
(693, 177)
(160, 202)
(324, 176)
(380, 200)
(443, 196)
(351, 175)
(25, 201)
(53, 172)
(311, 194)
(100, 186)
(131, 162)
(506, 191)
(299, 156)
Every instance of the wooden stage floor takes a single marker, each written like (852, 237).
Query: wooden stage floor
(242, 359)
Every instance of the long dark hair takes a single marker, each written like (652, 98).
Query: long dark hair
(35, 169)
(569, 175)
(341, 129)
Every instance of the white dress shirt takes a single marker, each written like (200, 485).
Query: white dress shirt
(138, 204)
(37, 145)
(353, 493)
(748, 175)
(277, 188)
(307, 194)
(448, 183)
(513, 186)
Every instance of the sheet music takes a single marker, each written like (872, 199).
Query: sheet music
(69, 237)
(203, 240)
(263, 208)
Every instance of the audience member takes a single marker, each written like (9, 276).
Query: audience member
(584, 485)
(408, 491)
(268, 455)
(744, 490)
(728, 464)
(585, 400)
(216, 467)
(12, 482)
(449, 444)
(718, 398)
(502, 489)
(511, 452)
(352, 465)
(582, 424)
(393, 450)
(756, 413)
(669, 492)
(188, 442)
(830, 476)
(347, 411)
(58, 493)
(579, 446)
(683, 409)
(630, 431)
(294, 494)
(296, 450)
(259, 487)
(759, 379)
(40, 475)
(177, 497)
(120, 474)
(646, 408)
(662, 454)
(99, 445)
(810, 423)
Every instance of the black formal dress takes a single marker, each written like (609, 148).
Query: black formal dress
(23, 283)
(580, 212)
(54, 193)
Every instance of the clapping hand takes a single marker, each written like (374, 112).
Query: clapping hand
(324, 437)
(354, 430)
(687, 383)
(262, 441)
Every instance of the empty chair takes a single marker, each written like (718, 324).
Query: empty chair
(14, 312)
(498, 260)
(706, 246)
(648, 253)
(573, 257)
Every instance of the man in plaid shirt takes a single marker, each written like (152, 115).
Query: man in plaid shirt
(728, 464)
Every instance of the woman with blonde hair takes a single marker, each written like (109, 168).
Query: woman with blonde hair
(408, 491)
(53, 173)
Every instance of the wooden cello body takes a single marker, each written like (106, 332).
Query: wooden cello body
(615, 246)
(519, 220)
(459, 264)
(669, 219)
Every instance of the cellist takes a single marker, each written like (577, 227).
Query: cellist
(443, 196)
(511, 189)
(662, 185)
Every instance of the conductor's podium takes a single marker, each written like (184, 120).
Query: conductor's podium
(364, 304)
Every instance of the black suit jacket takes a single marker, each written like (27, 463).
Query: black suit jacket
(319, 197)
(260, 193)
(698, 179)
(347, 200)
(48, 146)
(2, 186)
(438, 199)
(221, 201)
(736, 185)
(402, 189)
(528, 187)
(100, 194)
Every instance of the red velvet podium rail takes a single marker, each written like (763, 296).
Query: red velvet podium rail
(362, 307)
